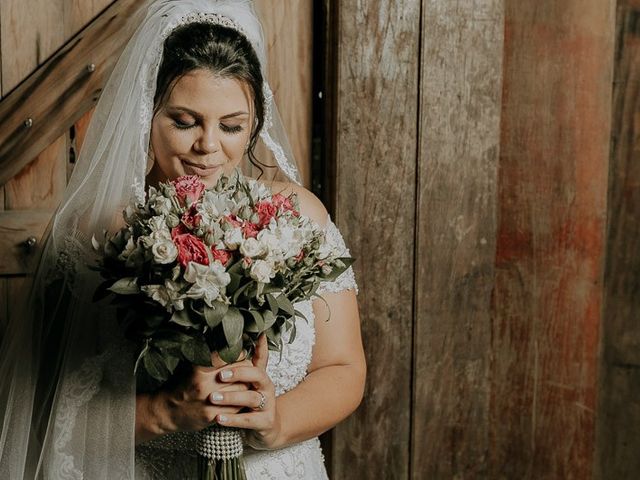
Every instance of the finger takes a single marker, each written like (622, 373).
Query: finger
(252, 420)
(256, 376)
(250, 398)
(261, 356)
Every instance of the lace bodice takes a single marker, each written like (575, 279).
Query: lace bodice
(176, 452)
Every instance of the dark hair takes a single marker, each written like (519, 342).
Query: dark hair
(222, 50)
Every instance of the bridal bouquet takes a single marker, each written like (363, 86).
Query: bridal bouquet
(196, 271)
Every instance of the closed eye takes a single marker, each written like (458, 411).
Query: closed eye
(231, 128)
(182, 125)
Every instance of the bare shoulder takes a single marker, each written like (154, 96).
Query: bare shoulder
(310, 205)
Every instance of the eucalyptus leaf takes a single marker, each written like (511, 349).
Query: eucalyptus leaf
(269, 319)
(213, 315)
(181, 317)
(273, 303)
(125, 286)
(197, 352)
(233, 324)
(155, 366)
(285, 304)
(231, 353)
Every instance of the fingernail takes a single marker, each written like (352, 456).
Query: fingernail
(226, 374)
(216, 397)
(222, 418)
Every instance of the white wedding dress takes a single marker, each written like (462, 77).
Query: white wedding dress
(173, 456)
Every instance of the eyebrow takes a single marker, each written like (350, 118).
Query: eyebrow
(199, 117)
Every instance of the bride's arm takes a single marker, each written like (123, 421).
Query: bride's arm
(334, 386)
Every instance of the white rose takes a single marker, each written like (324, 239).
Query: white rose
(233, 238)
(164, 251)
(207, 280)
(161, 205)
(158, 224)
(166, 295)
(252, 248)
(261, 271)
(129, 248)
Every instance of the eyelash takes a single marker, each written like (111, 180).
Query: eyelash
(183, 126)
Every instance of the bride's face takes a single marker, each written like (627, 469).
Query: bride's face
(203, 129)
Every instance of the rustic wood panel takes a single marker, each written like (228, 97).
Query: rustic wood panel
(460, 93)
(376, 128)
(63, 88)
(42, 182)
(15, 227)
(288, 32)
(550, 243)
(31, 31)
(619, 408)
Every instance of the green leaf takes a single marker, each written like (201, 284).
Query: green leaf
(125, 286)
(170, 361)
(214, 315)
(269, 319)
(197, 352)
(155, 366)
(258, 319)
(234, 282)
(239, 291)
(233, 324)
(231, 353)
(181, 317)
(285, 304)
(273, 303)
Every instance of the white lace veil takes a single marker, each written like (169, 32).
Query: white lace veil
(67, 390)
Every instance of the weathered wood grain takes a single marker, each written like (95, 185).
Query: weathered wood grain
(31, 31)
(63, 88)
(288, 35)
(619, 406)
(550, 243)
(460, 95)
(376, 131)
(15, 227)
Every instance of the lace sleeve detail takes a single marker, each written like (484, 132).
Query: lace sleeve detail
(346, 281)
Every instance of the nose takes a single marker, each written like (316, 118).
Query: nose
(208, 142)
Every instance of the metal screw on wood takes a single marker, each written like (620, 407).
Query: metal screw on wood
(91, 67)
(28, 123)
(30, 243)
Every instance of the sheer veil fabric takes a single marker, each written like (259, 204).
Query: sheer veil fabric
(67, 390)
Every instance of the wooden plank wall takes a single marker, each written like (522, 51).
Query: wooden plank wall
(375, 209)
(619, 412)
(29, 33)
(472, 144)
(460, 93)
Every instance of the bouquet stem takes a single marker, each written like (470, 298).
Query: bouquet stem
(220, 454)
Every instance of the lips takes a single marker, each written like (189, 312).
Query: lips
(199, 168)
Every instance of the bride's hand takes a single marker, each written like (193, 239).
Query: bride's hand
(262, 424)
(187, 406)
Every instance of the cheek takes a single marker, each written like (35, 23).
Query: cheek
(167, 143)
(234, 146)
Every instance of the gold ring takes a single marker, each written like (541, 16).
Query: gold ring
(263, 401)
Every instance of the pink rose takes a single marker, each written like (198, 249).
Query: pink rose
(191, 249)
(266, 211)
(191, 218)
(250, 230)
(233, 220)
(223, 256)
(188, 187)
(179, 230)
(285, 203)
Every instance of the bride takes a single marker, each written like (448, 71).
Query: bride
(187, 96)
